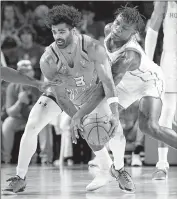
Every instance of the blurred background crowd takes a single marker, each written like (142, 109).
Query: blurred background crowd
(24, 36)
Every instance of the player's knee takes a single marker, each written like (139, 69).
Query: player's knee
(149, 127)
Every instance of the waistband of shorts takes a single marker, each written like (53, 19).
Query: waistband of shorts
(51, 97)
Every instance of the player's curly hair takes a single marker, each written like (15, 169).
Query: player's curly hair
(132, 16)
(63, 14)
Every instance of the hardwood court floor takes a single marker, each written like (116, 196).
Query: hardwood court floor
(69, 183)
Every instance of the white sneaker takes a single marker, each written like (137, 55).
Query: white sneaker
(136, 161)
(162, 165)
(102, 178)
(161, 172)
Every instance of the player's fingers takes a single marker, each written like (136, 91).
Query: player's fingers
(76, 132)
(113, 132)
(74, 140)
(112, 127)
(80, 127)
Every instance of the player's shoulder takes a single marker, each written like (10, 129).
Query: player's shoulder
(47, 56)
(107, 29)
(90, 43)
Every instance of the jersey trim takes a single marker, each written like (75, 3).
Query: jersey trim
(83, 46)
(55, 54)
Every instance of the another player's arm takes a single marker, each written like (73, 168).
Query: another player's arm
(11, 75)
(49, 70)
(127, 61)
(154, 26)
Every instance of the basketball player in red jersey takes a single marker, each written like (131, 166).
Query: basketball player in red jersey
(79, 65)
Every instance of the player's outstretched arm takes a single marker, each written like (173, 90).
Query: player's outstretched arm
(11, 75)
(154, 26)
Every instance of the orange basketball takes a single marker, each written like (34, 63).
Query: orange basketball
(95, 129)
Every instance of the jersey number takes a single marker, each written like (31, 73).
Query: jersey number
(80, 81)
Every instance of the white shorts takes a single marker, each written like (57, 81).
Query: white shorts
(169, 67)
(134, 89)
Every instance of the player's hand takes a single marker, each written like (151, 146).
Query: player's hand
(114, 120)
(76, 126)
(23, 97)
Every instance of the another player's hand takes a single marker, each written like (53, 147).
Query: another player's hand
(114, 120)
(76, 126)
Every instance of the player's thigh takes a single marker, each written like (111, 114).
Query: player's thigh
(64, 121)
(45, 108)
(129, 116)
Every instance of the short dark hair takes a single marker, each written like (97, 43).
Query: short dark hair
(132, 16)
(27, 28)
(63, 14)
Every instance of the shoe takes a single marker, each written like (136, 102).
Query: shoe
(16, 185)
(136, 161)
(102, 178)
(160, 174)
(124, 179)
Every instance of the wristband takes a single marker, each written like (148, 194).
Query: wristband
(112, 100)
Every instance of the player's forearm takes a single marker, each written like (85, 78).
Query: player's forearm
(150, 42)
(92, 102)
(15, 109)
(11, 75)
(64, 102)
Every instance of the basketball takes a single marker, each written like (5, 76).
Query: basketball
(95, 129)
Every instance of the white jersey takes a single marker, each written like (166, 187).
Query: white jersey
(148, 70)
(147, 80)
(170, 27)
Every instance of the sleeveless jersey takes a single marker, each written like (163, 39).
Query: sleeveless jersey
(81, 80)
(170, 27)
(147, 70)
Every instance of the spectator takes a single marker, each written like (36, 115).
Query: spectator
(11, 21)
(19, 101)
(44, 34)
(28, 50)
(91, 27)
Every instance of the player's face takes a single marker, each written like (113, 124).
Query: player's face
(62, 34)
(121, 30)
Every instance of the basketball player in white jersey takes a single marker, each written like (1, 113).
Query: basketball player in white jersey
(166, 13)
(80, 65)
(135, 75)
